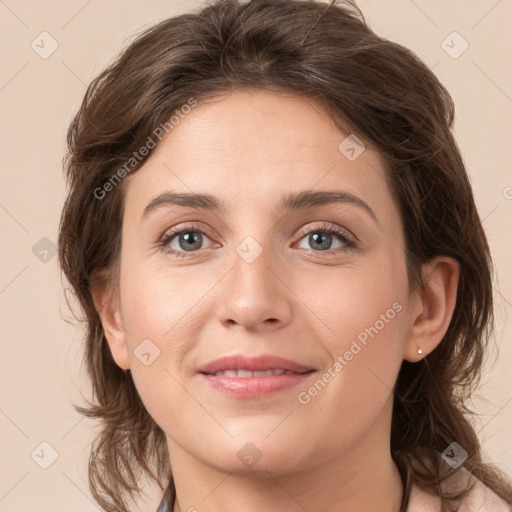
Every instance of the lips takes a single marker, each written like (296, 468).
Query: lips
(260, 366)
(244, 378)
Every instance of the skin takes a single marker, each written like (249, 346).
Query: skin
(249, 148)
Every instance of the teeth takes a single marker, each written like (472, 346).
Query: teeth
(228, 373)
(262, 373)
(248, 373)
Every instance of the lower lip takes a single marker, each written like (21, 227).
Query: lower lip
(255, 387)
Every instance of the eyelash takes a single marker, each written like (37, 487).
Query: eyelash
(344, 237)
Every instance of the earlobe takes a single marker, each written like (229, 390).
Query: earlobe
(433, 307)
(108, 309)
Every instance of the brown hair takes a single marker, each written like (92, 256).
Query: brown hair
(378, 90)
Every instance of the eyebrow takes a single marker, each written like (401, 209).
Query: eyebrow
(293, 201)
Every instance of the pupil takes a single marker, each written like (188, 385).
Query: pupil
(325, 239)
(190, 240)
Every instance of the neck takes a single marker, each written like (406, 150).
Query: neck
(363, 478)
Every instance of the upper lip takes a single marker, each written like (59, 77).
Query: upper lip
(258, 363)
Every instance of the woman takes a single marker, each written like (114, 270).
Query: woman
(286, 283)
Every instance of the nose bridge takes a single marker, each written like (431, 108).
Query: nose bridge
(253, 296)
(252, 262)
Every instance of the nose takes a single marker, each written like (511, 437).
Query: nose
(254, 296)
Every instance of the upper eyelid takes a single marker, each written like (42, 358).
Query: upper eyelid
(193, 226)
(326, 226)
(172, 232)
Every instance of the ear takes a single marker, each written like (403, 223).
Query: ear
(432, 307)
(107, 306)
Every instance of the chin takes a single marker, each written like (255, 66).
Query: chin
(267, 463)
(255, 455)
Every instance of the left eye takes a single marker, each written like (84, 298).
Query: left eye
(322, 239)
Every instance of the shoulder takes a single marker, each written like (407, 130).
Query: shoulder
(480, 498)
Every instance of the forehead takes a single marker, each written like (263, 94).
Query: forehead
(256, 144)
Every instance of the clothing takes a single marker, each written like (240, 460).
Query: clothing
(163, 507)
(167, 503)
(479, 499)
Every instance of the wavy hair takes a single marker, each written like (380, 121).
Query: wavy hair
(369, 86)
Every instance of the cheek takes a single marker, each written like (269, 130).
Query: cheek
(366, 318)
(160, 312)
(354, 299)
(164, 314)
(157, 302)
(363, 311)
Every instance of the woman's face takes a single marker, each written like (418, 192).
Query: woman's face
(263, 275)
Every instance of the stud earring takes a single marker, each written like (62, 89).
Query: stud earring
(420, 352)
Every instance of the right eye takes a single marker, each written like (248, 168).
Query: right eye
(180, 241)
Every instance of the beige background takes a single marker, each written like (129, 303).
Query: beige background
(41, 353)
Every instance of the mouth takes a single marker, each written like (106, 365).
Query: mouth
(259, 365)
(244, 377)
